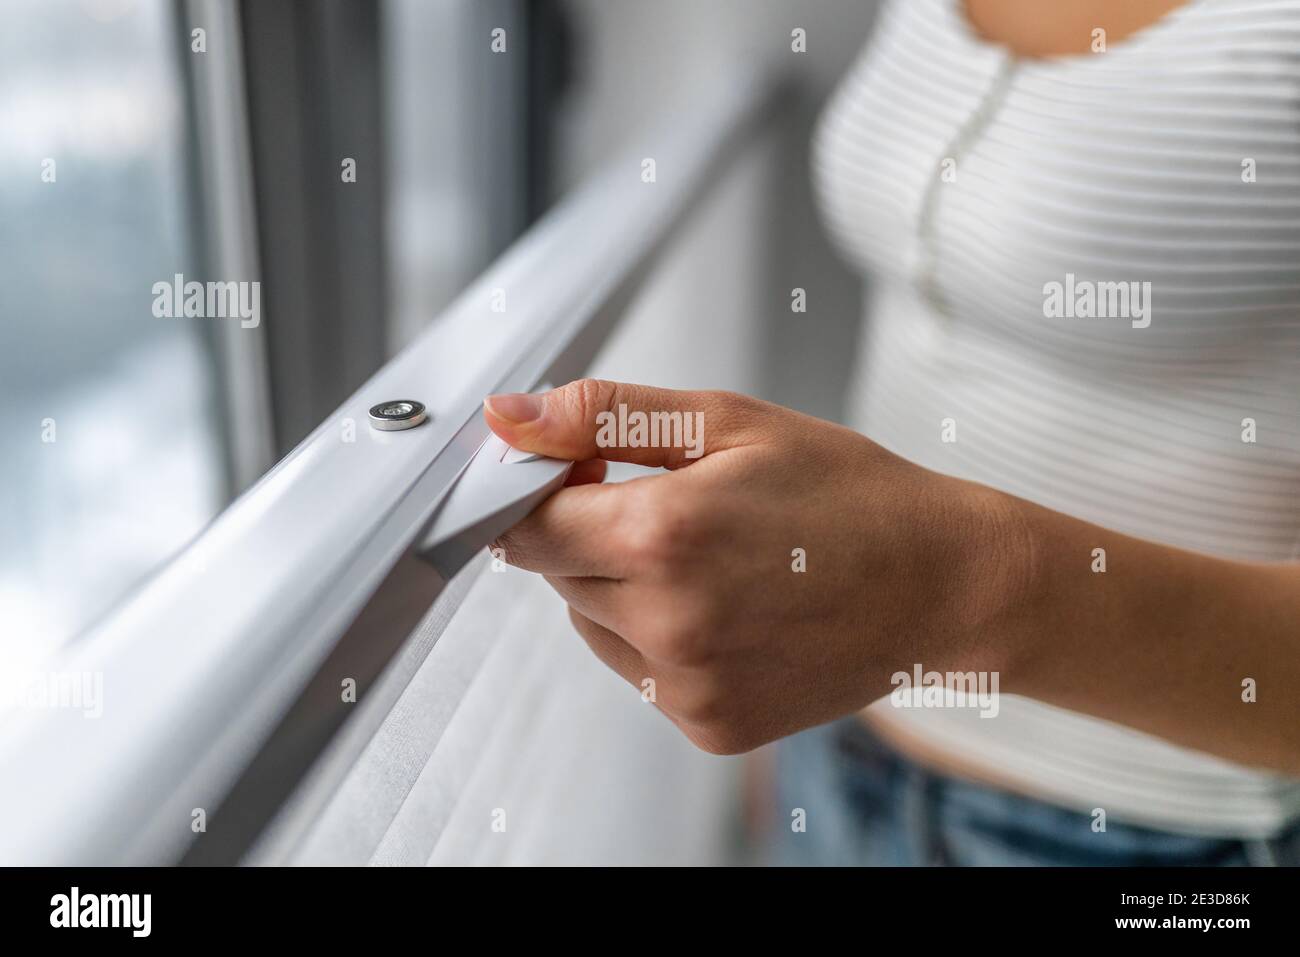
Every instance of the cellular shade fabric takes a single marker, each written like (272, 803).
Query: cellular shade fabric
(964, 181)
(512, 744)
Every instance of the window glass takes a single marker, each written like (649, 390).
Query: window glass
(112, 457)
(455, 145)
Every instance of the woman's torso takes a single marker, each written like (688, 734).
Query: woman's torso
(987, 198)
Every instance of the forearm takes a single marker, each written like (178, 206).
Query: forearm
(1201, 651)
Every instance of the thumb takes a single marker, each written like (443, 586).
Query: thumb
(592, 418)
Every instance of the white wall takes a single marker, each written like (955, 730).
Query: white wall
(718, 316)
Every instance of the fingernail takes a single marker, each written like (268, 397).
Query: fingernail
(515, 407)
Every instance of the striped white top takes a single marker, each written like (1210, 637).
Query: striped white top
(963, 181)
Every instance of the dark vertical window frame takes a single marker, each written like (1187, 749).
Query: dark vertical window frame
(547, 76)
(314, 99)
(506, 146)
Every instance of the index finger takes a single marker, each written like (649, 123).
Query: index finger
(571, 534)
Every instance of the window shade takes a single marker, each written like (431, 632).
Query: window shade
(510, 712)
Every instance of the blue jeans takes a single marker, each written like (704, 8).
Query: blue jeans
(866, 804)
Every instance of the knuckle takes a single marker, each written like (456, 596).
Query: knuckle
(510, 547)
(678, 643)
(660, 531)
(735, 412)
(724, 399)
(651, 543)
(672, 645)
(702, 707)
(586, 397)
(504, 547)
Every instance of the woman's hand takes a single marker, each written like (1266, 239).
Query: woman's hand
(775, 580)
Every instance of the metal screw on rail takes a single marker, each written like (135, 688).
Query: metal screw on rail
(396, 415)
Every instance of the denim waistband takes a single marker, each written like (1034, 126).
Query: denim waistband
(865, 803)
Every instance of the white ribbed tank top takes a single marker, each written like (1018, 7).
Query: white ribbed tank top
(962, 181)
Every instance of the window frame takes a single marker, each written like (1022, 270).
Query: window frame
(225, 231)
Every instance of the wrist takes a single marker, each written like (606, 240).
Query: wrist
(1001, 573)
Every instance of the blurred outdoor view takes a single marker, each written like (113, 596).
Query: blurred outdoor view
(110, 448)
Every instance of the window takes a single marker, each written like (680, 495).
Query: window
(457, 156)
(113, 450)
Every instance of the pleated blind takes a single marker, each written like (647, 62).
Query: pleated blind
(511, 744)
